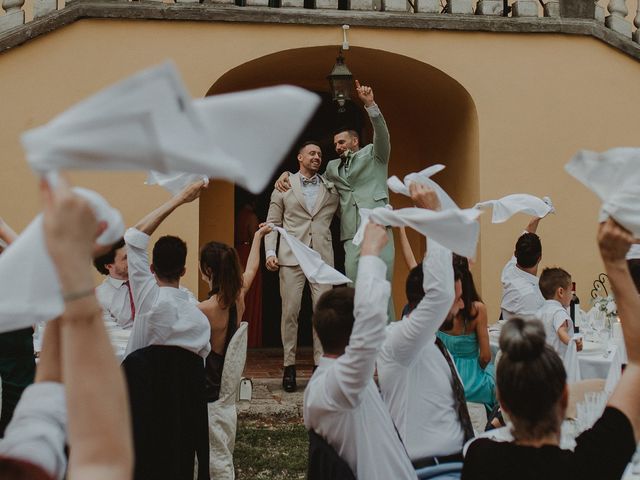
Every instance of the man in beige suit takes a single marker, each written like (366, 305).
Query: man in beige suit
(305, 211)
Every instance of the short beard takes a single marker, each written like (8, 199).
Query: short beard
(448, 322)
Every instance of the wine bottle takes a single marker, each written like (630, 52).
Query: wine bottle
(572, 307)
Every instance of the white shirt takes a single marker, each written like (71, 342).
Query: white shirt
(113, 295)
(37, 432)
(415, 378)
(521, 295)
(553, 315)
(310, 191)
(342, 403)
(164, 315)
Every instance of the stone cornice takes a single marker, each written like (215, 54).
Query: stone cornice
(100, 9)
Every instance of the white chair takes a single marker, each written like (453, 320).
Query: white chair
(223, 416)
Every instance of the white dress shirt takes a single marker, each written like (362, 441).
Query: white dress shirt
(415, 378)
(164, 315)
(310, 191)
(521, 295)
(342, 403)
(113, 295)
(37, 432)
(553, 315)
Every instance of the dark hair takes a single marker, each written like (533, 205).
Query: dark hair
(349, 130)
(14, 469)
(528, 250)
(307, 143)
(221, 264)
(551, 279)
(530, 379)
(333, 319)
(169, 257)
(107, 258)
(469, 292)
(413, 286)
(634, 268)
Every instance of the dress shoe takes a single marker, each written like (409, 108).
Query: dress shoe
(289, 379)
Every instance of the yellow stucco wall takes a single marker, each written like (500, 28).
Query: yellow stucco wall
(537, 99)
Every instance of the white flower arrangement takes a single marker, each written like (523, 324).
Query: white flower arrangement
(606, 305)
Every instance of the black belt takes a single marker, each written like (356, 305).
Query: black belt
(431, 461)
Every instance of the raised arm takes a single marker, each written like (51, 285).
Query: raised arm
(99, 424)
(614, 243)
(482, 334)
(354, 369)
(407, 252)
(405, 341)
(381, 141)
(152, 221)
(253, 261)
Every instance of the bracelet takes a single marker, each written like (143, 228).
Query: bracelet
(71, 296)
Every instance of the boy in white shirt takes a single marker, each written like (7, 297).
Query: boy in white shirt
(555, 286)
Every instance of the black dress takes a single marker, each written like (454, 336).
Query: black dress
(215, 362)
(601, 453)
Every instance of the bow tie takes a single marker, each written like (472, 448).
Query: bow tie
(311, 181)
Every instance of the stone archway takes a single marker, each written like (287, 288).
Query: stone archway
(431, 119)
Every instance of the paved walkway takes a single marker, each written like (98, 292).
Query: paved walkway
(270, 401)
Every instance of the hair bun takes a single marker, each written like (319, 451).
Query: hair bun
(522, 340)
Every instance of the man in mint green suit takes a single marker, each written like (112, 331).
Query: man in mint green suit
(360, 177)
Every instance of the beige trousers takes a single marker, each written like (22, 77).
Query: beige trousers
(292, 282)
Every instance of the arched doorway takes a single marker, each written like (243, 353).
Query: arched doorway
(431, 119)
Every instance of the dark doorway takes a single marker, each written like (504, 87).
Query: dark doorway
(321, 129)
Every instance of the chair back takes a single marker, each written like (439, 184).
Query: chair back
(444, 471)
(168, 411)
(324, 462)
(234, 362)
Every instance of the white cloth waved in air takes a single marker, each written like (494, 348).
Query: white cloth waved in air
(31, 291)
(454, 228)
(174, 182)
(150, 122)
(422, 177)
(614, 176)
(311, 263)
(506, 207)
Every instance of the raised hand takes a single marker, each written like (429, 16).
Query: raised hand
(423, 196)
(365, 94)
(375, 239)
(193, 191)
(614, 241)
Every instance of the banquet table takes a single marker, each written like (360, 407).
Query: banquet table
(594, 362)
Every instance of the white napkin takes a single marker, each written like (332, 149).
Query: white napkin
(634, 252)
(505, 207)
(571, 363)
(30, 288)
(311, 263)
(454, 229)
(423, 177)
(174, 182)
(615, 177)
(149, 122)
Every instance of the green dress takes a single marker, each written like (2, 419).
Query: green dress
(479, 384)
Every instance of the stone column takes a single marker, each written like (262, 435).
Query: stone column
(489, 7)
(396, 6)
(459, 7)
(14, 15)
(552, 8)
(327, 4)
(524, 8)
(616, 21)
(42, 7)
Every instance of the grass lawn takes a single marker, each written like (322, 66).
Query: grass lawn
(271, 450)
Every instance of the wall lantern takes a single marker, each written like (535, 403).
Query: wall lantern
(340, 81)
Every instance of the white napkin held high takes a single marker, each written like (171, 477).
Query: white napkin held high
(311, 263)
(505, 207)
(149, 122)
(454, 229)
(614, 176)
(31, 290)
(422, 177)
(174, 182)
(634, 252)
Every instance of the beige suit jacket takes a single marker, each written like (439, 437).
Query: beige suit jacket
(289, 210)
